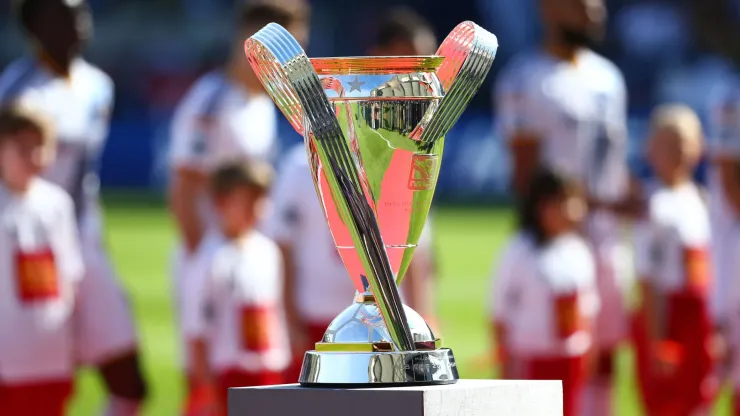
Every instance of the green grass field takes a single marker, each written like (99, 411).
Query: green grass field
(141, 239)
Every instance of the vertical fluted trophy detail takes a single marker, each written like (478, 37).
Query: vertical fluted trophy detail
(374, 131)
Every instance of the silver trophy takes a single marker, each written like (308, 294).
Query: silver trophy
(374, 131)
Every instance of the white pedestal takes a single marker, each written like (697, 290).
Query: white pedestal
(465, 398)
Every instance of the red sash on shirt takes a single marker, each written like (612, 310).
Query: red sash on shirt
(257, 326)
(697, 269)
(568, 319)
(36, 275)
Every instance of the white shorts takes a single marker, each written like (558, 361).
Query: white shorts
(104, 325)
(613, 265)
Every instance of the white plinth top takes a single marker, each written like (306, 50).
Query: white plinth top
(465, 398)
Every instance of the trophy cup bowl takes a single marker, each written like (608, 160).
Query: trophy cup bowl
(374, 132)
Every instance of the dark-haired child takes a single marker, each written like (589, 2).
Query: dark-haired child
(544, 290)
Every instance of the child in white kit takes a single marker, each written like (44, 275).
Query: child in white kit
(237, 330)
(672, 329)
(40, 269)
(544, 298)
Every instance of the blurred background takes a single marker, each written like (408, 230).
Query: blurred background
(154, 50)
(668, 50)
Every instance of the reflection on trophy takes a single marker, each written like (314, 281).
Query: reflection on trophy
(374, 130)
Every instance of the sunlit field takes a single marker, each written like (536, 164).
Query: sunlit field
(141, 238)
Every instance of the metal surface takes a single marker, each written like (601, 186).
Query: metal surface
(362, 322)
(374, 131)
(350, 369)
(289, 78)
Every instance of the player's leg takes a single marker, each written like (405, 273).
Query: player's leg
(125, 383)
(610, 329)
(642, 360)
(179, 264)
(107, 336)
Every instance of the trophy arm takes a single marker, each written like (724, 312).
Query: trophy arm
(469, 51)
(291, 81)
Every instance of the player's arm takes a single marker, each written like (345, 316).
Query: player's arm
(729, 178)
(505, 302)
(191, 138)
(186, 187)
(525, 151)
(420, 280)
(589, 304)
(198, 295)
(500, 352)
(290, 284)
(420, 288)
(71, 263)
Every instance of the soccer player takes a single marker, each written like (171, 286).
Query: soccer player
(724, 203)
(564, 106)
(317, 287)
(225, 117)
(40, 270)
(235, 322)
(544, 292)
(78, 97)
(672, 329)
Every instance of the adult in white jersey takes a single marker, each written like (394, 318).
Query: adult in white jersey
(724, 192)
(78, 98)
(225, 117)
(317, 286)
(40, 270)
(564, 106)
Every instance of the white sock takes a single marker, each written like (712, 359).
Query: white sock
(597, 398)
(118, 406)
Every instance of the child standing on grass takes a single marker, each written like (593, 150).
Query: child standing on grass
(237, 331)
(40, 269)
(544, 290)
(672, 328)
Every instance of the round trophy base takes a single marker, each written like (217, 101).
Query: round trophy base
(378, 369)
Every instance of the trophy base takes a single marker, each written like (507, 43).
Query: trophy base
(378, 369)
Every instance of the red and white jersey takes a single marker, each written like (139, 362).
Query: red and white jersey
(546, 296)
(323, 287)
(672, 243)
(218, 122)
(40, 266)
(234, 292)
(80, 108)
